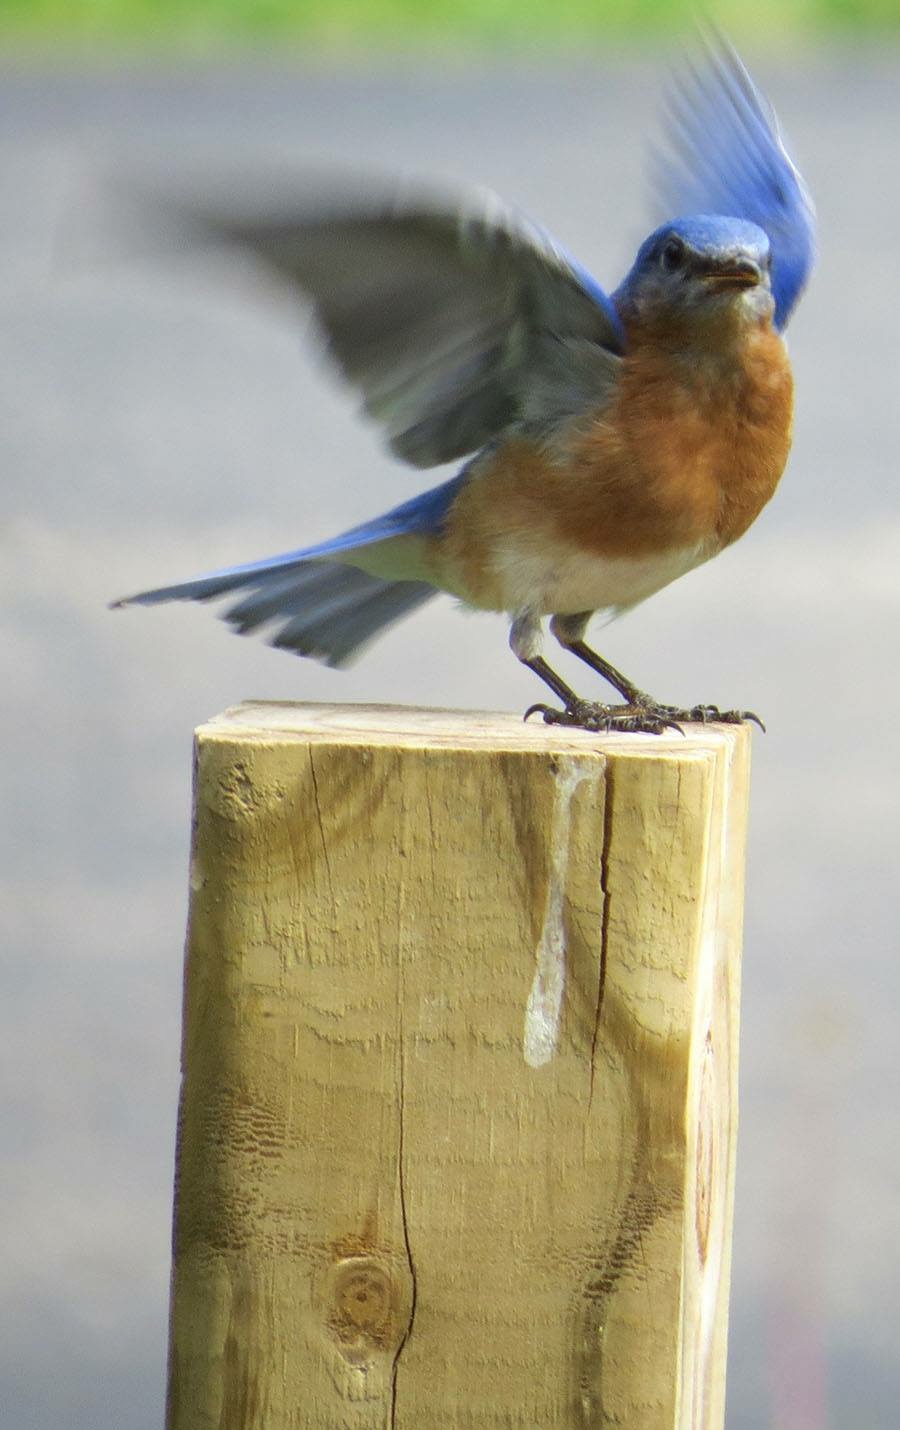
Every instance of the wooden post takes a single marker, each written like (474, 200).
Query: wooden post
(457, 1133)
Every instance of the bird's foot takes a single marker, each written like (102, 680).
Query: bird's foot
(635, 718)
(711, 715)
(642, 715)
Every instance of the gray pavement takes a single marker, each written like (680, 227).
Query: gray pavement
(159, 418)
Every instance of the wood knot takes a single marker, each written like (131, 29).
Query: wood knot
(364, 1307)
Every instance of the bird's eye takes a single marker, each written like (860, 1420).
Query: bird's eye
(672, 255)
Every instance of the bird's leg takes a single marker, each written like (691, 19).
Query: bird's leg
(525, 639)
(569, 631)
(559, 687)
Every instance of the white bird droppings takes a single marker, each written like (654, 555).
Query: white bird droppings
(543, 1011)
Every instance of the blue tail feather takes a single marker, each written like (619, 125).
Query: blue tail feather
(317, 604)
(338, 630)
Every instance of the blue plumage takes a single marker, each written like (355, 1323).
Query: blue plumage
(729, 159)
(422, 514)
(317, 605)
(710, 238)
(465, 328)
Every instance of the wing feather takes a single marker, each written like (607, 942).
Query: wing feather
(433, 312)
(727, 157)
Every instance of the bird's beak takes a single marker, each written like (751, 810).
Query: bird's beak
(735, 273)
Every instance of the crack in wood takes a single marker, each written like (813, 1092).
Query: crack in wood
(404, 1218)
(324, 841)
(604, 922)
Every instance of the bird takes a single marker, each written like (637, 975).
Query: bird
(610, 442)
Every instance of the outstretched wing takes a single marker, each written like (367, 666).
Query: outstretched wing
(729, 159)
(436, 314)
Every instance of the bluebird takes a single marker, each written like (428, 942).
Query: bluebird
(611, 442)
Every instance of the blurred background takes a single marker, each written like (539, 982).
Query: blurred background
(161, 417)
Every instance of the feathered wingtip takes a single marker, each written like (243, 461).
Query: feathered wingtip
(726, 155)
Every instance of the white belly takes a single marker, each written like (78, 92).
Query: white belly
(538, 578)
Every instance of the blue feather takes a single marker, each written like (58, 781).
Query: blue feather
(318, 604)
(730, 160)
(430, 308)
(422, 515)
(463, 326)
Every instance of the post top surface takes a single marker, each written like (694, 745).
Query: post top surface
(422, 727)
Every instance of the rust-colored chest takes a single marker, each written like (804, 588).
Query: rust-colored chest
(690, 450)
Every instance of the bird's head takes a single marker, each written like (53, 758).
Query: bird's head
(702, 270)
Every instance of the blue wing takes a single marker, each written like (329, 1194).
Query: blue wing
(437, 314)
(729, 159)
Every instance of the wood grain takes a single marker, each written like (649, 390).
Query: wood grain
(456, 1141)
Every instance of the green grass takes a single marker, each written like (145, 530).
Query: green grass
(358, 24)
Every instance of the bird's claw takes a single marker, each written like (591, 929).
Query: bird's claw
(633, 719)
(645, 717)
(712, 715)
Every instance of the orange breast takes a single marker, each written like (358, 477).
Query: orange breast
(685, 456)
(691, 450)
